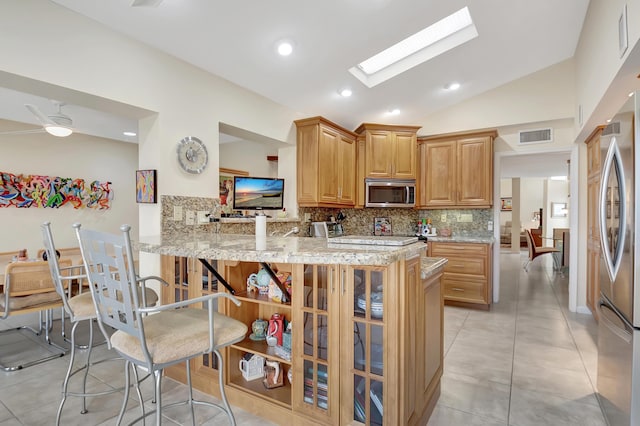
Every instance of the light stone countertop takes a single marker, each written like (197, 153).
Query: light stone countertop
(208, 245)
(429, 265)
(463, 239)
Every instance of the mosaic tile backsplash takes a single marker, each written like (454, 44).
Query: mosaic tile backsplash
(404, 221)
(356, 222)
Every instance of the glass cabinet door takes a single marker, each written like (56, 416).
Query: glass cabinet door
(365, 311)
(317, 367)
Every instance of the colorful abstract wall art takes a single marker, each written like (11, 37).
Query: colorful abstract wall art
(53, 191)
(145, 186)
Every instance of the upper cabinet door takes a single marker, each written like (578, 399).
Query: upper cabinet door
(475, 172)
(347, 170)
(328, 186)
(438, 181)
(404, 155)
(379, 154)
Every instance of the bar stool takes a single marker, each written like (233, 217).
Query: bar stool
(168, 337)
(80, 307)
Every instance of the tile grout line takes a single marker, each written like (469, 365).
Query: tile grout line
(584, 365)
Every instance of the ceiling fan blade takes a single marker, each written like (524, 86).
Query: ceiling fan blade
(39, 115)
(22, 132)
(146, 3)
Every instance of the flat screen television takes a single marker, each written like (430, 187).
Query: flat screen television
(258, 193)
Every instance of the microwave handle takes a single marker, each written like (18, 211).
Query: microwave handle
(408, 192)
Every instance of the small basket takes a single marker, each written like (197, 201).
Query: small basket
(445, 232)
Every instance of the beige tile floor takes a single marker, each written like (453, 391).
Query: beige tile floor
(528, 361)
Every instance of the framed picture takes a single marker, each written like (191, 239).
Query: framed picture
(505, 204)
(382, 226)
(623, 41)
(226, 187)
(559, 210)
(146, 186)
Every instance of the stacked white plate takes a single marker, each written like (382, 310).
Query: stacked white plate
(376, 304)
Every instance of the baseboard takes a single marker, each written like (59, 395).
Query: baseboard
(583, 310)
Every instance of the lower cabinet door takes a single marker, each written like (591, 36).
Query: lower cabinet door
(315, 321)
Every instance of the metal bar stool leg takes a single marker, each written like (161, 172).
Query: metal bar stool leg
(227, 407)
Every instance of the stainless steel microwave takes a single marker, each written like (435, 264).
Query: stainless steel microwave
(390, 192)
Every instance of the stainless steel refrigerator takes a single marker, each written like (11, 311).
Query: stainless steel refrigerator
(619, 326)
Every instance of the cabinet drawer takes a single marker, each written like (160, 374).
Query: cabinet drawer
(458, 250)
(473, 291)
(469, 266)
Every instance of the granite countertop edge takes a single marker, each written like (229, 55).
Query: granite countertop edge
(481, 239)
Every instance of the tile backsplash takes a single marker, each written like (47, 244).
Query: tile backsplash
(404, 221)
(461, 222)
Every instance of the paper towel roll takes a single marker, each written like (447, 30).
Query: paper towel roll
(261, 243)
(261, 226)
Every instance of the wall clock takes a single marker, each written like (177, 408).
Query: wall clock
(192, 155)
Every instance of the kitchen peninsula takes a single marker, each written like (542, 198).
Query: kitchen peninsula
(366, 343)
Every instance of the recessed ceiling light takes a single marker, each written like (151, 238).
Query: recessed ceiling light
(631, 94)
(608, 120)
(346, 92)
(394, 111)
(129, 133)
(452, 86)
(285, 48)
(440, 37)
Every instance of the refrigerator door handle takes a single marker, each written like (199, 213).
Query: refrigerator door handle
(612, 164)
(624, 332)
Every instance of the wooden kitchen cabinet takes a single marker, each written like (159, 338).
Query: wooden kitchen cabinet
(366, 342)
(423, 343)
(593, 231)
(326, 164)
(390, 150)
(467, 274)
(456, 170)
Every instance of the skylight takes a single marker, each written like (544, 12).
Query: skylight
(446, 34)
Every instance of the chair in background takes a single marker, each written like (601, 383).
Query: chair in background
(80, 307)
(536, 251)
(28, 288)
(154, 342)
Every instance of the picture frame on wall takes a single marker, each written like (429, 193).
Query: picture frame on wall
(146, 187)
(506, 204)
(559, 210)
(226, 187)
(382, 226)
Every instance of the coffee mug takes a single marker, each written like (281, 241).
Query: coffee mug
(259, 328)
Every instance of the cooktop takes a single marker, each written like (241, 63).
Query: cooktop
(369, 239)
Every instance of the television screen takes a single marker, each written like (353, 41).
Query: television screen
(257, 193)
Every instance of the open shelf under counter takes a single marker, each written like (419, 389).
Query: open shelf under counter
(280, 395)
(261, 348)
(255, 297)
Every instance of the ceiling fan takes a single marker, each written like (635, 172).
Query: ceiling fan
(56, 124)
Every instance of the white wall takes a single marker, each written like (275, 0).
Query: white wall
(531, 200)
(106, 66)
(546, 95)
(249, 156)
(598, 60)
(77, 156)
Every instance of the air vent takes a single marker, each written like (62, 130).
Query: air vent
(535, 136)
(612, 129)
